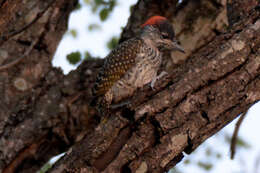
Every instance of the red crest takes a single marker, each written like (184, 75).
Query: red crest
(154, 21)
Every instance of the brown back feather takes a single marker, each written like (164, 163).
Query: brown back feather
(117, 63)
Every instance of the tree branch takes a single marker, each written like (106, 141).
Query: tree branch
(43, 112)
(212, 88)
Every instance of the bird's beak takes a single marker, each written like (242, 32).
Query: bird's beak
(176, 47)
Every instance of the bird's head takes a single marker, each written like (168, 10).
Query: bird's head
(158, 31)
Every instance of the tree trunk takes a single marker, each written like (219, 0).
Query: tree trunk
(44, 113)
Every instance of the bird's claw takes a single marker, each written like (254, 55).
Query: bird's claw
(163, 73)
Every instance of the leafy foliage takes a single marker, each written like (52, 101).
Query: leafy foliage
(103, 7)
(93, 27)
(205, 165)
(74, 33)
(112, 43)
(87, 55)
(104, 14)
(78, 6)
(239, 141)
(174, 170)
(74, 57)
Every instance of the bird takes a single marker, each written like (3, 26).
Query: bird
(135, 62)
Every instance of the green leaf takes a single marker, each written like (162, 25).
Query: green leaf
(132, 8)
(98, 2)
(239, 141)
(87, 55)
(112, 43)
(78, 6)
(242, 143)
(104, 14)
(174, 170)
(208, 152)
(74, 57)
(218, 155)
(206, 166)
(187, 162)
(112, 4)
(87, 1)
(74, 33)
(94, 8)
(92, 27)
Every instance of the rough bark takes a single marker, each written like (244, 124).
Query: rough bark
(32, 102)
(43, 112)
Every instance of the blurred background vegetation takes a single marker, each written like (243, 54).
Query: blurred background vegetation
(101, 8)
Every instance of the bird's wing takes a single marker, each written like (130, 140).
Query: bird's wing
(116, 64)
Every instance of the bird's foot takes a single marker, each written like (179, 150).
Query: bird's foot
(162, 74)
(118, 105)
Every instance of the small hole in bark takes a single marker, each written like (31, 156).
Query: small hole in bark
(24, 42)
(238, 31)
(158, 132)
(216, 32)
(188, 149)
(97, 118)
(205, 115)
(128, 114)
(125, 169)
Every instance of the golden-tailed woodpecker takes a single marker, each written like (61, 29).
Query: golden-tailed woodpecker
(135, 62)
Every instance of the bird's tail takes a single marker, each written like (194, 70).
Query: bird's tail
(101, 105)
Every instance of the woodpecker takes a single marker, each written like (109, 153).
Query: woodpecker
(135, 62)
